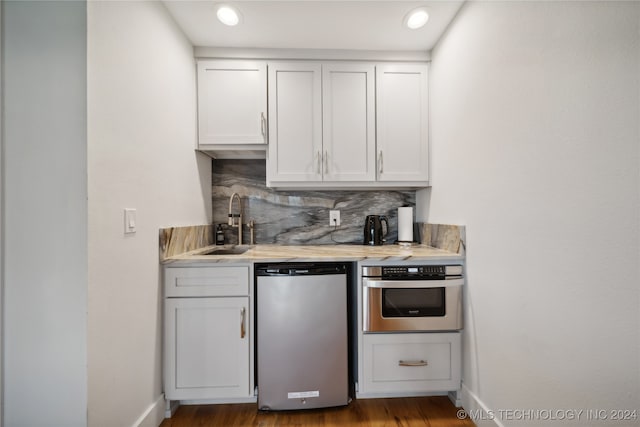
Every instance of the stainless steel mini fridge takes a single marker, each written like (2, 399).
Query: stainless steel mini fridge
(302, 336)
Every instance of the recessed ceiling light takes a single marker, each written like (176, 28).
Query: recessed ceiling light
(228, 15)
(416, 18)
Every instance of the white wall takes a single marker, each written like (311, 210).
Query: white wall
(535, 147)
(45, 214)
(1, 219)
(142, 131)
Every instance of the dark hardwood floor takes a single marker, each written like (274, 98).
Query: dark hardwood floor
(435, 411)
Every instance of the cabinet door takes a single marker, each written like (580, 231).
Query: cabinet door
(207, 348)
(232, 102)
(402, 117)
(295, 122)
(348, 122)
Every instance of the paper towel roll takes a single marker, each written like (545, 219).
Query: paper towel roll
(405, 224)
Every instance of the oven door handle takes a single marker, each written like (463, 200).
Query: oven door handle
(377, 283)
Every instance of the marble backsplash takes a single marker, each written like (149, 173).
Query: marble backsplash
(297, 217)
(451, 238)
(178, 240)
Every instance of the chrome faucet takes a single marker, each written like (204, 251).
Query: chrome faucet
(252, 225)
(232, 216)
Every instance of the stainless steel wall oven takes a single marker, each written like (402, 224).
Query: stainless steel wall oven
(404, 298)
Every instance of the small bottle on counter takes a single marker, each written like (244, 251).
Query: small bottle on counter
(219, 235)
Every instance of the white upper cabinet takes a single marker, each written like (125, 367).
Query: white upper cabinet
(295, 122)
(348, 122)
(402, 123)
(342, 125)
(332, 124)
(232, 104)
(321, 123)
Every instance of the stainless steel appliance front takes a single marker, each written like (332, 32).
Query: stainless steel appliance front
(302, 336)
(412, 298)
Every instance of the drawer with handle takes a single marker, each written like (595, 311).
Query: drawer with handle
(411, 363)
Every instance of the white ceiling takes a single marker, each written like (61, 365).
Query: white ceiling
(312, 24)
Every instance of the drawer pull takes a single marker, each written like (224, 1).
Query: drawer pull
(412, 363)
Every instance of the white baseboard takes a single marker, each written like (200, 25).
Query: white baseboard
(479, 413)
(170, 408)
(456, 398)
(153, 416)
(252, 399)
(381, 395)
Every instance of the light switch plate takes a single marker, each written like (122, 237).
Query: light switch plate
(129, 221)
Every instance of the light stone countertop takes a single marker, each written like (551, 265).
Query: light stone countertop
(282, 253)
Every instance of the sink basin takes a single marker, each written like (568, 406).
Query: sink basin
(237, 250)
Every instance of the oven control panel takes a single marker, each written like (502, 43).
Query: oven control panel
(419, 270)
(404, 272)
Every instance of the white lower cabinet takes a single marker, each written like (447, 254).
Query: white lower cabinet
(207, 348)
(413, 363)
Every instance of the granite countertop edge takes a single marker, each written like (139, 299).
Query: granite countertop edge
(302, 253)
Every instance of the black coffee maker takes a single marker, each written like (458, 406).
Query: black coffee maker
(374, 232)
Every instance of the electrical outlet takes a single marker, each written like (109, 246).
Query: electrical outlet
(334, 218)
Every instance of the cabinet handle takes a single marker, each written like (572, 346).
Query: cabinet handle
(263, 126)
(380, 161)
(326, 162)
(318, 163)
(412, 363)
(243, 315)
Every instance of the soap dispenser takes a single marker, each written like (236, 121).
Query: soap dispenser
(219, 235)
